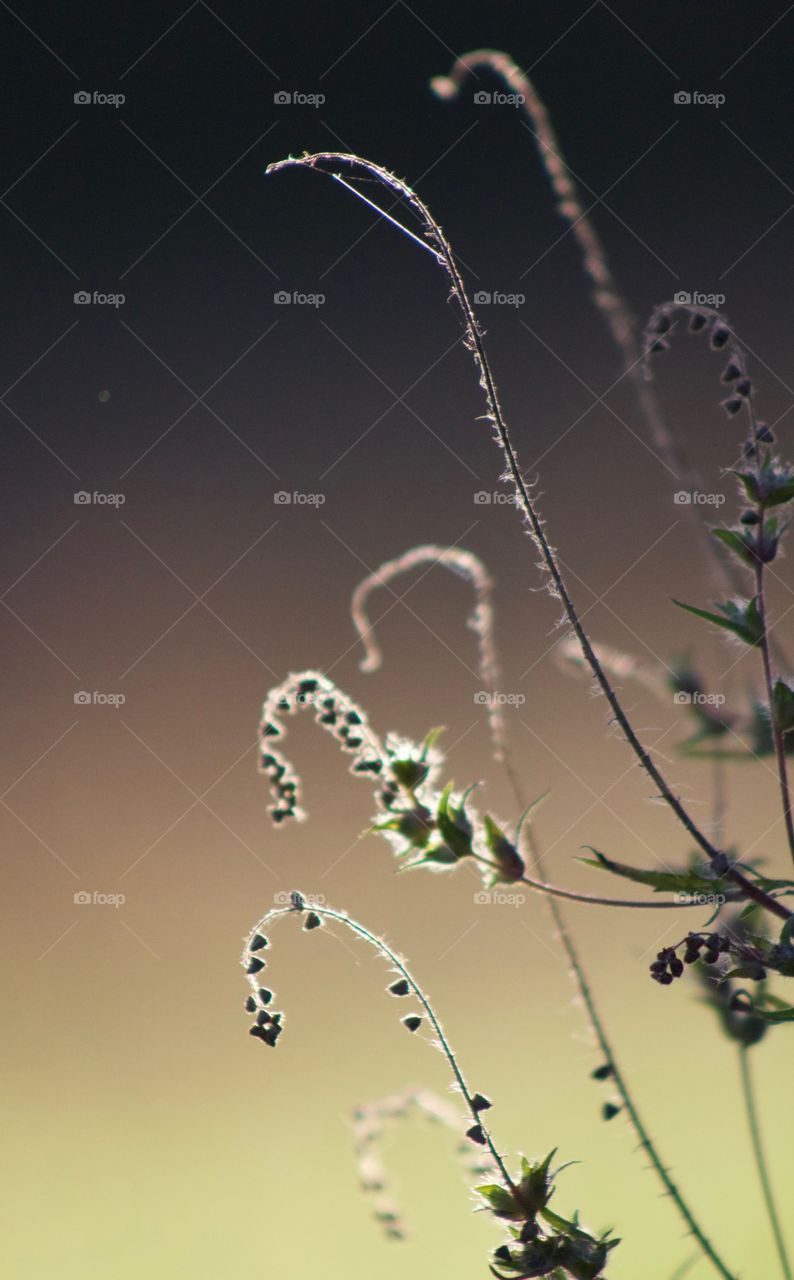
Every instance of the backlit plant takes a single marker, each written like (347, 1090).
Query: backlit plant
(746, 939)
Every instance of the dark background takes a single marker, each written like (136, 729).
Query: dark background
(143, 1126)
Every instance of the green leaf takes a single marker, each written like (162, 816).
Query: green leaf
(740, 543)
(508, 864)
(453, 823)
(498, 1198)
(783, 706)
(570, 1229)
(690, 881)
(741, 617)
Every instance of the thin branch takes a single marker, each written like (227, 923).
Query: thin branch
(769, 680)
(386, 952)
(608, 299)
(529, 511)
(466, 565)
(748, 1094)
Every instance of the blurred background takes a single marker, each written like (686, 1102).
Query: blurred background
(151, 370)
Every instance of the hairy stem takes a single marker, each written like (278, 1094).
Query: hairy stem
(556, 891)
(439, 246)
(646, 1142)
(769, 679)
(386, 952)
(616, 1075)
(748, 1094)
(607, 296)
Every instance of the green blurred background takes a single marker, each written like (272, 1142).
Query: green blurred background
(145, 1133)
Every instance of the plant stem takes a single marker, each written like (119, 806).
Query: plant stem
(606, 294)
(555, 891)
(440, 248)
(777, 734)
(385, 950)
(597, 1026)
(763, 1173)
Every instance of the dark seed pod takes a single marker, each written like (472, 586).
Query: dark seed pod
(609, 1111)
(719, 336)
(661, 325)
(481, 1103)
(476, 1134)
(664, 978)
(676, 967)
(312, 921)
(731, 372)
(368, 766)
(749, 517)
(265, 996)
(744, 388)
(732, 406)
(764, 434)
(400, 988)
(529, 1231)
(255, 965)
(413, 1022)
(267, 1034)
(250, 1005)
(257, 943)
(659, 346)
(690, 955)
(697, 321)
(602, 1073)
(263, 1017)
(502, 1253)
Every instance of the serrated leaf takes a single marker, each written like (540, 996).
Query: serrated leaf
(741, 618)
(689, 881)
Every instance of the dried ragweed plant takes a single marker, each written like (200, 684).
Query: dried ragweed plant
(438, 828)
(607, 295)
(370, 1121)
(540, 1241)
(465, 565)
